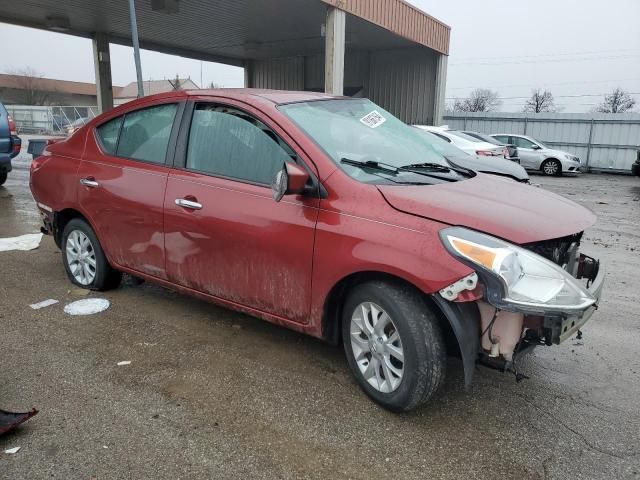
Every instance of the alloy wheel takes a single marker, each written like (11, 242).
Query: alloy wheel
(81, 257)
(551, 168)
(377, 347)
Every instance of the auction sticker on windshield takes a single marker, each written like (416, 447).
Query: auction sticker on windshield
(373, 119)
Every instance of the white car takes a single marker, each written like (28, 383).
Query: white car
(535, 155)
(468, 144)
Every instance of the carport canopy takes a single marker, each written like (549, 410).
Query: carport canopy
(261, 36)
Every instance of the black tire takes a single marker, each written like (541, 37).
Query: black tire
(551, 167)
(105, 277)
(3, 177)
(422, 343)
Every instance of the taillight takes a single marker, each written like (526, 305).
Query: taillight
(16, 148)
(484, 153)
(12, 127)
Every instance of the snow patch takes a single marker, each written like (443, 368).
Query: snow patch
(29, 241)
(87, 306)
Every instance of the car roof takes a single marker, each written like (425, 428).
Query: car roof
(277, 97)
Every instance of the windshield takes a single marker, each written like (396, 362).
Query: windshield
(360, 130)
(542, 145)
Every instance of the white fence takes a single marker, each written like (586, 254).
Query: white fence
(604, 142)
(49, 120)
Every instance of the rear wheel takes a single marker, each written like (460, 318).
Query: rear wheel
(551, 167)
(393, 344)
(84, 259)
(3, 177)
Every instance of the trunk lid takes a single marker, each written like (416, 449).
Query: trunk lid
(513, 211)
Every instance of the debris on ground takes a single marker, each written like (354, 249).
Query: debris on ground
(29, 241)
(87, 306)
(13, 450)
(44, 303)
(125, 362)
(10, 420)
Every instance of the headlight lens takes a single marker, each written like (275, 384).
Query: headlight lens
(527, 279)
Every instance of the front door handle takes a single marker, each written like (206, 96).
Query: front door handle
(89, 182)
(183, 202)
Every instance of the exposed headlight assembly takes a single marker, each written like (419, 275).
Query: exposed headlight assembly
(515, 278)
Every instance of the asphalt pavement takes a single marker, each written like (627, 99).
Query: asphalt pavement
(211, 393)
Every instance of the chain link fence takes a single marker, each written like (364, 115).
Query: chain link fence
(50, 120)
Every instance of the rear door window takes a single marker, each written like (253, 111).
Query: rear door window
(108, 133)
(227, 142)
(145, 133)
(502, 138)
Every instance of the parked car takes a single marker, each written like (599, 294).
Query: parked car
(492, 165)
(10, 143)
(511, 149)
(535, 155)
(326, 215)
(468, 144)
(635, 168)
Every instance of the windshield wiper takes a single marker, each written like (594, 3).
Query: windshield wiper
(385, 167)
(371, 164)
(427, 166)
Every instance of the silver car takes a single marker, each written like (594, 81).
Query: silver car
(491, 165)
(535, 155)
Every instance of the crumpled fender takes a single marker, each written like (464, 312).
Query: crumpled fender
(464, 319)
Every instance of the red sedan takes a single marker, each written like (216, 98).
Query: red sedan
(326, 215)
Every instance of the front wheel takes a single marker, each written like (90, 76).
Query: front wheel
(84, 260)
(3, 177)
(551, 167)
(393, 344)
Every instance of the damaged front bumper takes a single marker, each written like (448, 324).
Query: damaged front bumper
(496, 333)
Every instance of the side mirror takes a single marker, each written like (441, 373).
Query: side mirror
(536, 147)
(290, 180)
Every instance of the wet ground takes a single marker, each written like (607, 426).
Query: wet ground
(214, 394)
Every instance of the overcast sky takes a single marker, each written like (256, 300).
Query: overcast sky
(578, 49)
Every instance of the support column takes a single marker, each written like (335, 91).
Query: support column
(441, 86)
(248, 74)
(102, 63)
(334, 51)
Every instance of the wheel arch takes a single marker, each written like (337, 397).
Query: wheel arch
(549, 159)
(458, 323)
(62, 217)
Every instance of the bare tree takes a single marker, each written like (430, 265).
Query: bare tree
(28, 87)
(479, 100)
(617, 101)
(213, 85)
(540, 101)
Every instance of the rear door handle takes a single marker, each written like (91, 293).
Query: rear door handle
(183, 202)
(89, 182)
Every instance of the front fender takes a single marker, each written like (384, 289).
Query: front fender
(464, 319)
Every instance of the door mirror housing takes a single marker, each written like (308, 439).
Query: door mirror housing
(536, 147)
(290, 180)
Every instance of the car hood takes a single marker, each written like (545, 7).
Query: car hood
(501, 207)
(493, 165)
